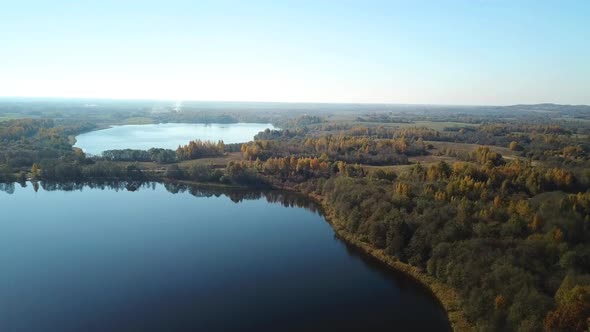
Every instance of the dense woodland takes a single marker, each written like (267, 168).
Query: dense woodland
(493, 202)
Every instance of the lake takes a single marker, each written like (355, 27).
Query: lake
(154, 257)
(165, 135)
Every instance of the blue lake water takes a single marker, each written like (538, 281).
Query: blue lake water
(165, 135)
(173, 258)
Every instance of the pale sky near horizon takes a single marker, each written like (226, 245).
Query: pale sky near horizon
(428, 52)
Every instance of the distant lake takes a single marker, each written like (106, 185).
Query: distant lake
(165, 135)
(174, 258)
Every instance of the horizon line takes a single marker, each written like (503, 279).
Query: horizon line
(283, 102)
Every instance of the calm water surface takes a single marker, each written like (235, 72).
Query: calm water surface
(165, 135)
(168, 258)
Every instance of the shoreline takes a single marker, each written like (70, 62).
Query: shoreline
(444, 294)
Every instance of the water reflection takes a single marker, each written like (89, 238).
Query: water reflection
(237, 195)
(148, 259)
(7, 188)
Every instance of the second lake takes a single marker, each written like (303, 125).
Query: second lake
(165, 135)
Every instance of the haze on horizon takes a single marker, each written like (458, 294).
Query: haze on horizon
(421, 52)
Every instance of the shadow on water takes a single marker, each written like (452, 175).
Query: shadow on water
(403, 280)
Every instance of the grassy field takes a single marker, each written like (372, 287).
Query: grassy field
(217, 162)
(439, 126)
(432, 158)
(12, 116)
(465, 147)
(138, 121)
(582, 121)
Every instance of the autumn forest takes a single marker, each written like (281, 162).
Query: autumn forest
(487, 206)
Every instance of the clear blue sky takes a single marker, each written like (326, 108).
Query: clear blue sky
(430, 52)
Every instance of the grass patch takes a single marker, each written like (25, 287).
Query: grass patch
(138, 121)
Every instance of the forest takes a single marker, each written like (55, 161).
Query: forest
(492, 202)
